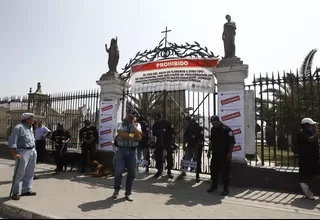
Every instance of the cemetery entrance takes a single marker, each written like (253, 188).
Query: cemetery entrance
(174, 80)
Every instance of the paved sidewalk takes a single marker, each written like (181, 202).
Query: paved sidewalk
(70, 195)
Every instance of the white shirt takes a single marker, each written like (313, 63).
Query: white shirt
(41, 132)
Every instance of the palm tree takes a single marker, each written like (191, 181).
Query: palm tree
(286, 99)
(144, 103)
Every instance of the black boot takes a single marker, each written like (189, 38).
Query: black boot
(212, 189)
(158, 174)
(170, 176)
(225, 192)
(197, 178)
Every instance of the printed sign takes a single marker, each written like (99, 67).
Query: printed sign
(106, 132)
(106, 126)
(173, 75)
(189, 163)
(231, 112)
(143, 162)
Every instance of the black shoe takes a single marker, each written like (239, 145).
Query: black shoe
(115, 194)
(15, 197)
(82, 171)
(225, 192)
(157, 175)
(170, 176)
(35, 177)
(29, 194)
(212, 189)
(129, 198)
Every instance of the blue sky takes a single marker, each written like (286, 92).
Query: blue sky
(61, 43)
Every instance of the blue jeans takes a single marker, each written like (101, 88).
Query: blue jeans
(125, 158)
(25, 170)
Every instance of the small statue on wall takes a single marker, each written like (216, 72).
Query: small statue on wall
(113, 52)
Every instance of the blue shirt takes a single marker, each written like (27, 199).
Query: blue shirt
(22, 137)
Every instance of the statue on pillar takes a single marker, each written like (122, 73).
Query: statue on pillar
(113, 52)
(228, 37)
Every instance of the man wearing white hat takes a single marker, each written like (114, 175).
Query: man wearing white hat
(308, 154)
(22, 146)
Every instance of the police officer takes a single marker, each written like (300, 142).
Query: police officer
(143, 147)
(89, 137)
(128, 137)
(221, 145)
(59, 139)
(194, 138)
(22, 145)
(164, 131)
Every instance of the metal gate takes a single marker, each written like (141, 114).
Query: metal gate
(173, 105)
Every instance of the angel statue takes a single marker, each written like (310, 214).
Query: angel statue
(113, 52)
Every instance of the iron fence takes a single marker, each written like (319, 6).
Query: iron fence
(69, 108)
(175, 106)
(281, 101)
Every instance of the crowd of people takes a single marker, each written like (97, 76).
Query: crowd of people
(133, 141)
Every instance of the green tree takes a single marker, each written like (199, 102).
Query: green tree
(285, 100)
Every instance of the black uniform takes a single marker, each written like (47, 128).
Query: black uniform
(88, 148)
(59, 147)
(143, 147)
(222, 138)
(164, 131)
(194, 136)
(308, 156)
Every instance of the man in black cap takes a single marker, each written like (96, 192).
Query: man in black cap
(59, 138)
(164, 131)
(193, 145)
(143, 147)
(129, 135)
(221, 146)
(88, 135)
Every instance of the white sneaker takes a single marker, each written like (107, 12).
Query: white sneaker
(306, 190)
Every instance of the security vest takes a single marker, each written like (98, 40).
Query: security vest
(126, 127)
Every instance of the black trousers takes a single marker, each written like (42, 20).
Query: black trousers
(41, 149)
(308, 169)
(220, 165)
(195, 154)
(158, 153)
(87, 152)
(58, 156)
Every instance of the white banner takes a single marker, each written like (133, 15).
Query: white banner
(173, 75)
(231, 112)
(106, 125)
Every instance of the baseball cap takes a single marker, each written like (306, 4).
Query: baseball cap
(132, 112)
(214, 118)
(27, 115)
(157, 116)
(308, 121)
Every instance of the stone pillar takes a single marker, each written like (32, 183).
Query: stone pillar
(230, 74)
(111, 90)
